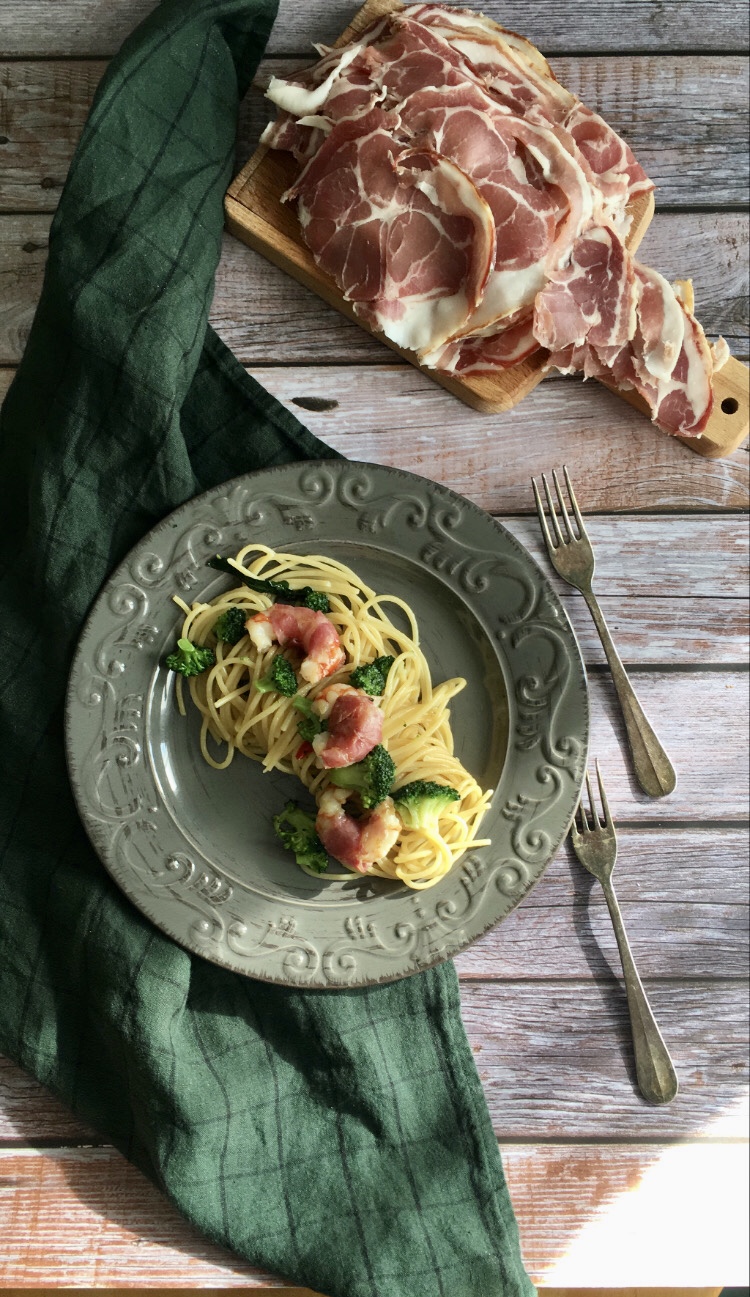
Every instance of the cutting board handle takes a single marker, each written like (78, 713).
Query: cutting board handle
(728, 425)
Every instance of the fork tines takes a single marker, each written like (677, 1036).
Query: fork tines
(570, 534)
(596, 821)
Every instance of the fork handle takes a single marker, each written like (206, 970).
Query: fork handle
(657, 1079)
(654, 771)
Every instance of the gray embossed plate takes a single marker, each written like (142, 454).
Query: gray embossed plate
(194, 848)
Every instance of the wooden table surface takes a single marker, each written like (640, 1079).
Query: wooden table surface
(608, 1191)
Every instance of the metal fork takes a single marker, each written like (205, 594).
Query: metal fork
(572, 558)
(595, 845)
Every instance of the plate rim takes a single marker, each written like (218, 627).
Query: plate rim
(336, 466)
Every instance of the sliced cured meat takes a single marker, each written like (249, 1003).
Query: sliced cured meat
(618, 175)
(680, 404)
(487, 354)
(537, 193)
(355, 727)
(614, 319)
(661, 325)
(405, 233)
(505, 61)
(593, 300)
(442, 16)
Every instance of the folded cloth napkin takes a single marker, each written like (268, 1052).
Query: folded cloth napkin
(340, 1139)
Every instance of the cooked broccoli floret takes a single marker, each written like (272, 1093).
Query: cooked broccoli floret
(307, 597)
(296, 828)
(280, 679)
(190, 659)
(231, 625)
(311, 724)
(372, 777)
(421, 803)
(314, 599)
(372, 677)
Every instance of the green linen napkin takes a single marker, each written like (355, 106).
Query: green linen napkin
(340, 1139)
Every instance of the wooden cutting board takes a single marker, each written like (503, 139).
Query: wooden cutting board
(255, 214)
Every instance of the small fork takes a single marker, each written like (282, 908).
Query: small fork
(595, 845)
(572, 558)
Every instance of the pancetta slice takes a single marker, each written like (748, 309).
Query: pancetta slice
(538, 195)
(618, 175)
(497, 350)
(508, 66)
(611, 318)
(592, 301)
(405, 233)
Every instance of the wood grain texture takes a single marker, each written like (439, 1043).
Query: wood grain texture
(81, 28)
(393, 415)
(584, 1234)
(250, 292)
(43, 107)
(575, 1042)
(686, 118)
(702, 721)
(684, 897)
(256, 215)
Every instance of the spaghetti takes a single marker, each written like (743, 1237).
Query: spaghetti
(239, 717)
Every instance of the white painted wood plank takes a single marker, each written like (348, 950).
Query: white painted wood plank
(684, 116)
(635, 1218)
(250, 293)
(598, 1215)
(702, 721)
(556, 1058)
(671, 557)
(88, 27)
(393, 415)
(268, 318)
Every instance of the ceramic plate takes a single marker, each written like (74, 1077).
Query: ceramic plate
(194, 848)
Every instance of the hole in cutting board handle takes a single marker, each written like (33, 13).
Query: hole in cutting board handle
(730, 405)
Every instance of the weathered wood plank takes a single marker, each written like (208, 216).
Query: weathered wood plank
(266, 317)
(393, 415)
(686, 118)
(87, 1218)
(555, 1057)
(684, 897)
(398, 416)
(578, 1074)
(702, 720)
(43, 107)
(684, 901)
(639, 1216)
(88, 28)
(250, 292)
(644, 558)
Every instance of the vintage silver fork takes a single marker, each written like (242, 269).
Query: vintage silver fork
(572, 558)
(595, 845)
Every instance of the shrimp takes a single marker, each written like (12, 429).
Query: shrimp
(355, 726)
(357, 843)
(301, 628)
